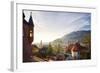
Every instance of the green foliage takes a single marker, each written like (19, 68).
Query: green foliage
(85, 55)
(58, 49)
(87, 40)
(50, 50)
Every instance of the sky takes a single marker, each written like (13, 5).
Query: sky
(50, 25)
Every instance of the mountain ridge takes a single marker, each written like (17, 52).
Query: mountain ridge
(72, 37)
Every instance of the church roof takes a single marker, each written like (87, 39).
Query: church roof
(76, 47)
(31, 20)
(24, 21)
(23, 15)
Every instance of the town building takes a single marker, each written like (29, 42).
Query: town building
(75, 51)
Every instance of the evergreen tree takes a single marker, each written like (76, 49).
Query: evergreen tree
(50, 50)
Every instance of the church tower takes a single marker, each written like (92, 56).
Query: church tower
(31, 29)
(28, 38)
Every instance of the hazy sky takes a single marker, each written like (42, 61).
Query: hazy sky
(52, 25)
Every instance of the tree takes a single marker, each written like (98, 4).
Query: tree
(60, 49)
(49, 51)
(87, 40)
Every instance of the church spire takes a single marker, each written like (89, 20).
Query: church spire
(31, 20)
(23, 15)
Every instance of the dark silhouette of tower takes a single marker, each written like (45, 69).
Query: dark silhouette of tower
(28, 38)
